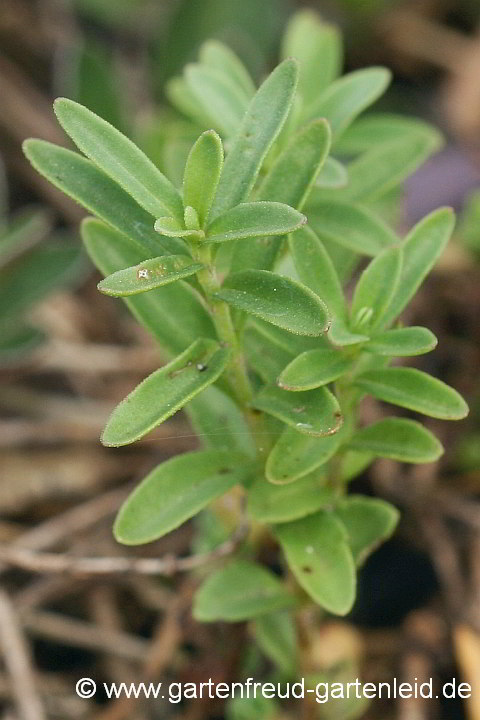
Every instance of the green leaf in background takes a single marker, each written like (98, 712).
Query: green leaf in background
(255, 219)
(289, 180)
(175, 491)
(398, 439)
(164, 392)
(268, 503)
(314, 412)
(276, 636)
(413, 389)
(267, 359)
(148, 275)
(157, 310)
(284, 340)
(215, 54)
(368, 521)
(469, 230)
(314, 368)
(17, 340)
(421, 249)
(180, 95)
(318, 48)
(375, 289)
(352, 226)
(202, 173)
(295, 455)
(81, 180)
(240, 591)
(380, 128)
(384, 167)
(263, 121)
(332, 175)
(218, 97)
(278, 300)
(252, 707)
(25, 229)
(120, 159)
(402, 342)
(347, 97)
(319, 555)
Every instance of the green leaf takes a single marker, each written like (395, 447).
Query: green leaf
(267, 359)
(251, 707)
(175, 491)
(318, 554)
(332, 175)
(375, 289)
(120, 159)
(415, 390)
(347, 97)
(295, 455)
(164, 392)
(314, 412)
(218, 97)
(421, 249)
(368, 521)
(275, 634)
(239, 591)
(81, 180)
(17, 340)
(170, 227)
(263, 121)
(384, 167)
(148, 275)
(381, 128)
(314, 368)
(26, 229)
(352, 226)
(268, 503)
(398, 439)
(202, 173)
(402, 342)
(181, 97)
(278, 300)
(256, 219)
(289, 180)
(318, 48)
(316, 271)
(158, 310)
(215, 54)
(284, 340)
(469, 230)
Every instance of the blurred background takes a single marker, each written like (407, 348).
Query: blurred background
(68, 354)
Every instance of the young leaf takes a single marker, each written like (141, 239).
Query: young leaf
(170, 227)
(318, 554)
(240, 591)
(314, 368)
(177, 490)
(415, 390)
(120, 159)
(421, 249)
(278, 300)
(314, 412)
(254, 219)
(164, 392)
(289, 180)
(402, 342)
(148, 275)
(295, 455)
(218, 96)
(352, 226)
(268, 503)
(332, 175)
(157, 310)
(84, 182)
(368, 522)
(384, 167)
(276, 636)
(348, 96)
(215, 54)
(263, 121)
(318, 48)
(399, 439)
(202, 173)
(375, 289)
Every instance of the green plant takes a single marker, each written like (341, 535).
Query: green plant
(241, 278)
